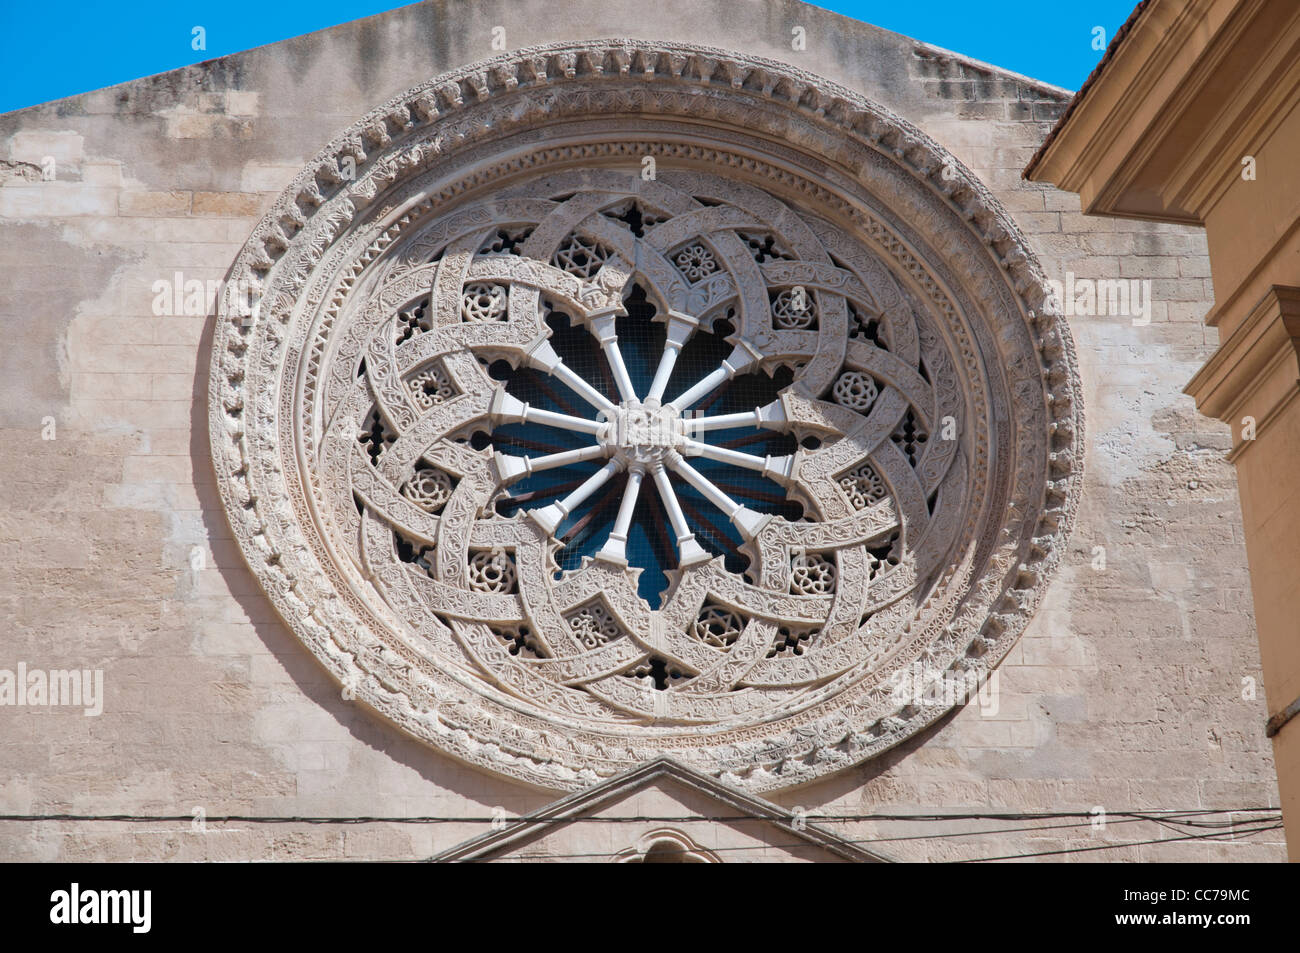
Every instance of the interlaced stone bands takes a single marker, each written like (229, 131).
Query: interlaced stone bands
(766, 363)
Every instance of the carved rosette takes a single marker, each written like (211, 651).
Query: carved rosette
(931, 393)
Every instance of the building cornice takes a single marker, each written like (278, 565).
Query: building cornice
(1254, 372)
(1136, 77)
(1157, 137)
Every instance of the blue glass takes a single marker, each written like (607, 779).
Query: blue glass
(651, 546)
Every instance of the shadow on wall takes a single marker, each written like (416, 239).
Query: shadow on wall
(441, 771)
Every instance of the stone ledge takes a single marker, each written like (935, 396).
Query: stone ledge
(1259, 359)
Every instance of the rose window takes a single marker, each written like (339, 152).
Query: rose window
(565, 459)
(659, 445)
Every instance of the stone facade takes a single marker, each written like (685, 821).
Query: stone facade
(1124, 692)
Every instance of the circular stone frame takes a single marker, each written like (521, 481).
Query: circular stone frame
(321, 251)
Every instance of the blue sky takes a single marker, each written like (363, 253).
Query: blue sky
(49, 53)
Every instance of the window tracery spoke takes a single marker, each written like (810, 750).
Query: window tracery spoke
(702, 387)
(680, 327)
(740, 359)
(509, 409)
(741, 516)
(543, 357)
(603, 327)
(561, 399)
(615, 548)
(511, 467)
(582, 387)
(663, 372)
(550, 517)
(689, 551)
(770, 416)
(777, 468)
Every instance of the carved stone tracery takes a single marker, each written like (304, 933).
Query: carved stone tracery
(360, 400)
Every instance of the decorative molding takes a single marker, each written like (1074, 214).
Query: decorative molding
(671, 846)
(847, 250)
(1255, 370)
(599, 796)
(1154, 135)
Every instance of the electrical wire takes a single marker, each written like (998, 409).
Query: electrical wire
(1152, 815)
(870, 841)
(1204, 819)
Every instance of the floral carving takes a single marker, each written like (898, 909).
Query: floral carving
(793, 309)
(864, 486)
(492, 572)
(429, 489)
(431, 387)
(594, 626)
(696, 262)
(812, 574)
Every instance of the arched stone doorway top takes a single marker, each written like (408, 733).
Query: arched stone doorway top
(666, 846)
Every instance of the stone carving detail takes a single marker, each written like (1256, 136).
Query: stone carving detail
(430, 387)
(864, 486)
(580, 257)
(792, 642)
(505, 241)
(492, 572)
(855, 390)
(837, 485)
(594, 626)
(717, 626)
(429, 489)
(793, 309)
(695, 262)
(812, 574)
(518, 641)
(483, 302)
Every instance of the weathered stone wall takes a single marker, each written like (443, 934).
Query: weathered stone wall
(1125, 693)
